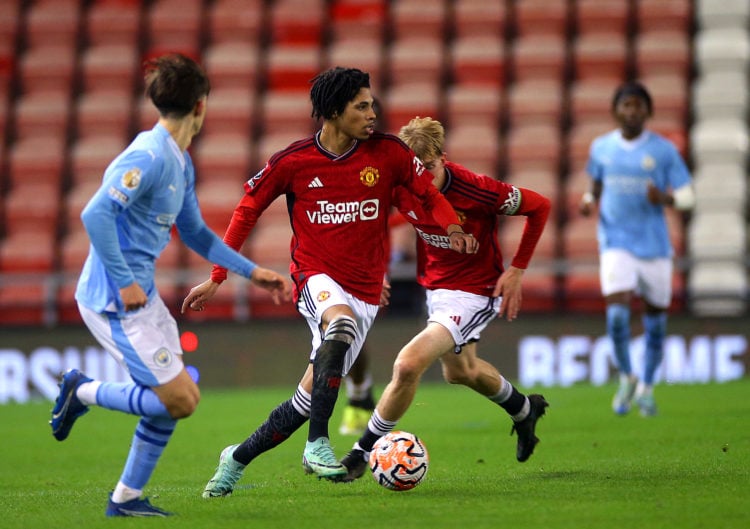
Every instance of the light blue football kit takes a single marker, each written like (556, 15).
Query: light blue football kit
(627, 219)
(633, 236)
(146, 190)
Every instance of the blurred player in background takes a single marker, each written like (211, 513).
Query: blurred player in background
(635, 173)
(338, 185)
(145, 191)
(463, 295)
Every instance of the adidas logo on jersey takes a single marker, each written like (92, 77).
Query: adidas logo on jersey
(315, 182)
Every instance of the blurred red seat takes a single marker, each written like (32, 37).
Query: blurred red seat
(24, 302)
(42, 114)
(41, 159)
(540, 57)
(47, 67)
(591, 99)
(222, 158)
(113, 23)
(611, 17)
(477, 104)
(535, 101)
(91, 154)
(232, 65)
(296, 22)
(364, 18)
(292, 66)
(541, 17)
(579, 238)
(174, 26)
(403, 102)
(661, 52)
(417, 59)
(597, 55)
(235, 21)
(231, 110)
(664, 15)
(10, 24)
(29, 251)
(32, 205)
(582, 289)
(478, 147)
(53, 23)
(479, 17)
(146, 113)
(105, 112)
(287, 111)
(418, 18)
(478, 59)
(534, 146)
(671, 97)
(357, 52)
(110, 67)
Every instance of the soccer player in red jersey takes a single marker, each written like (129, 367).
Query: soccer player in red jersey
(339, 186)
(463, 295)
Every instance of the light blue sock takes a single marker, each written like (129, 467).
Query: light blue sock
(655, 326)
(150, 438)
(132, 398)
(618, 329)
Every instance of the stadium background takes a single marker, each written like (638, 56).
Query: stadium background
(522, 86)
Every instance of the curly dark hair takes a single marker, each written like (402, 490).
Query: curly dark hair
(334, 88)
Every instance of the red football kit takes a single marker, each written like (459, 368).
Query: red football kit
(478, 200)
(338, 206)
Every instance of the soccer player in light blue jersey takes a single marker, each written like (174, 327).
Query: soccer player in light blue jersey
(146, 190)
(635, 173)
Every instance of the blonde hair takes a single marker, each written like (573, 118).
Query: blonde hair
(425, 136)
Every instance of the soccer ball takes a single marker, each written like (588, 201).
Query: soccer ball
(399, 461)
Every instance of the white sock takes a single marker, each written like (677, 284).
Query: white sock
(124, 493)
(86, 392)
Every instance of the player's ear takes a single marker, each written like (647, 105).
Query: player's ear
(200, 106)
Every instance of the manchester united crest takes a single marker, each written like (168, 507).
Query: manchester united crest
(131, 178)
(323, 295)
(369, 176)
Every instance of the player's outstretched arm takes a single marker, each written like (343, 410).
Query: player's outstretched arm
(199, 294)
(279, 287)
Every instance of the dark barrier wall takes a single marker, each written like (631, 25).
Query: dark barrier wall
(533, 350)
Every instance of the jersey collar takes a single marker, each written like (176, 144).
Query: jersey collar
(332, 155)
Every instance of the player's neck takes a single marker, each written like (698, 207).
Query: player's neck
(334, 140)
(181, 130)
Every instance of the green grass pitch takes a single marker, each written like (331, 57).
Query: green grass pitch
(687, 468)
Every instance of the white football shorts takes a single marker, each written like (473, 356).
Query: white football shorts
(465, 315)
(146, 343)
(621, 271)
(319, 294)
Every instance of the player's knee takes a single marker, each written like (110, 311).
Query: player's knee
(342, 328)
(183, 405)
(406, 370)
